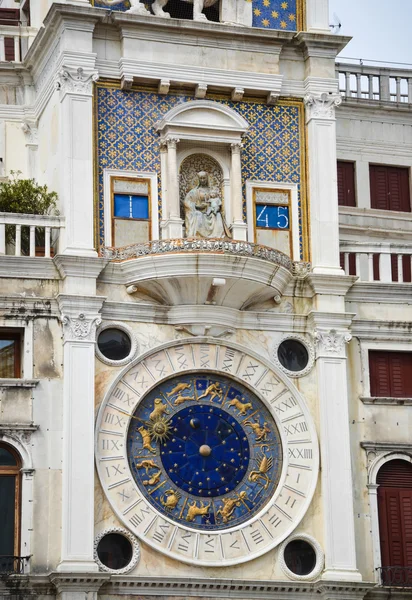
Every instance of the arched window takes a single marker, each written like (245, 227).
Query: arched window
(395, 521)
(10, 465)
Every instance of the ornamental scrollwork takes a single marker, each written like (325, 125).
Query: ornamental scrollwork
(322, 106)
(75, 81)
(80, 328)
(332, 342)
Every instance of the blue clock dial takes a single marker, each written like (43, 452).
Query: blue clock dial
(205, 451)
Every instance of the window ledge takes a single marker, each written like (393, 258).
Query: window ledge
(18, 383)
(388, 401)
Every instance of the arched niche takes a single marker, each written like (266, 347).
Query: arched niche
(208, 128)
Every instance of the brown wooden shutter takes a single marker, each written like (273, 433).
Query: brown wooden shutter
(9, 49)
(390, 374)
(346, 183)
(389, 188)
(395, 513)
(9, 16)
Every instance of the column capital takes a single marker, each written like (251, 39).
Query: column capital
(172, 142)
(322, 106)
(331, 343)
(236, 147)
(78, 81)
(80, 317)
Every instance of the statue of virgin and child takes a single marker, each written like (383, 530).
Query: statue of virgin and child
(203, 210)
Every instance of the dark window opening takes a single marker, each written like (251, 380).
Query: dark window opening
(115, 551)
(10, 353)
(300, 557)
(114, 344)
(293, 355)
(10, 466)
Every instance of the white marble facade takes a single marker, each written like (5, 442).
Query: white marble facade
(177, 297)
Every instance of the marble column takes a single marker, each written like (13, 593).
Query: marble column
(31, 132)
(76, 195)
(337, 483)
(323, 190)
(80, 317)
(173, 224)
(239, 228)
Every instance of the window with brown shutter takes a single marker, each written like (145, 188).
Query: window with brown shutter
(395, 518)
(390, 374)
(390, 188)
(346, 183)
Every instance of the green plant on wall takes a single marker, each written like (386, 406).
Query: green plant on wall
(26, 196)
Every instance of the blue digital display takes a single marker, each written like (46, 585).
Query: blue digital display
(131, 206)
(271, 216)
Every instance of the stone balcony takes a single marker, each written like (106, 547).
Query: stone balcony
(229, 273)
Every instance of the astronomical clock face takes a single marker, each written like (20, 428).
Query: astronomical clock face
(206, 454)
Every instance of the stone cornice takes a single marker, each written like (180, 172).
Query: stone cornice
(79, 266)
(320, 44)
(368, 329)
(382, 293)
(333, 285)
(27, 267)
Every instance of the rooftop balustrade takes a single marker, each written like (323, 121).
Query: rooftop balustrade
(380, 83)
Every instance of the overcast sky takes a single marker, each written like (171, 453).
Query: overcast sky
(381, 29)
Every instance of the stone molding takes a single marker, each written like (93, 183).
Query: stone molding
(331, 342)
(322, 106)
(78, 81)
(377, 450)
(135, 550)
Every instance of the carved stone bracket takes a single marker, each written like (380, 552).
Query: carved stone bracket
(31, 132)
(80, 328)
(321, 106)
(215, 331)
(21, 432)
(331, 343)
(75, 81)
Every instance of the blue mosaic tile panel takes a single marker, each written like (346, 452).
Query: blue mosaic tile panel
(127, 139)
(120, 7)
(275, 14)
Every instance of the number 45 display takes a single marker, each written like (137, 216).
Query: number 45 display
(270, 216)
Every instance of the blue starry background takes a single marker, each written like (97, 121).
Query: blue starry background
(174, 465)
(268, 14)
(127, 139)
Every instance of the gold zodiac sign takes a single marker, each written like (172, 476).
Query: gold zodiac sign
(178, 388)
(159, 410)
(242, 408)
(229, 505)
(194, 510)
(214, 390)
(170, 499)
(147, 465)
(180, 399)
(259, 431)
(264, 464)
(147, 442)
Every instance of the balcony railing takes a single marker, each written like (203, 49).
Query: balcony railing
(384, 262)
(396, 576)
(13, 565)
(28, 232)
(375, 83)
